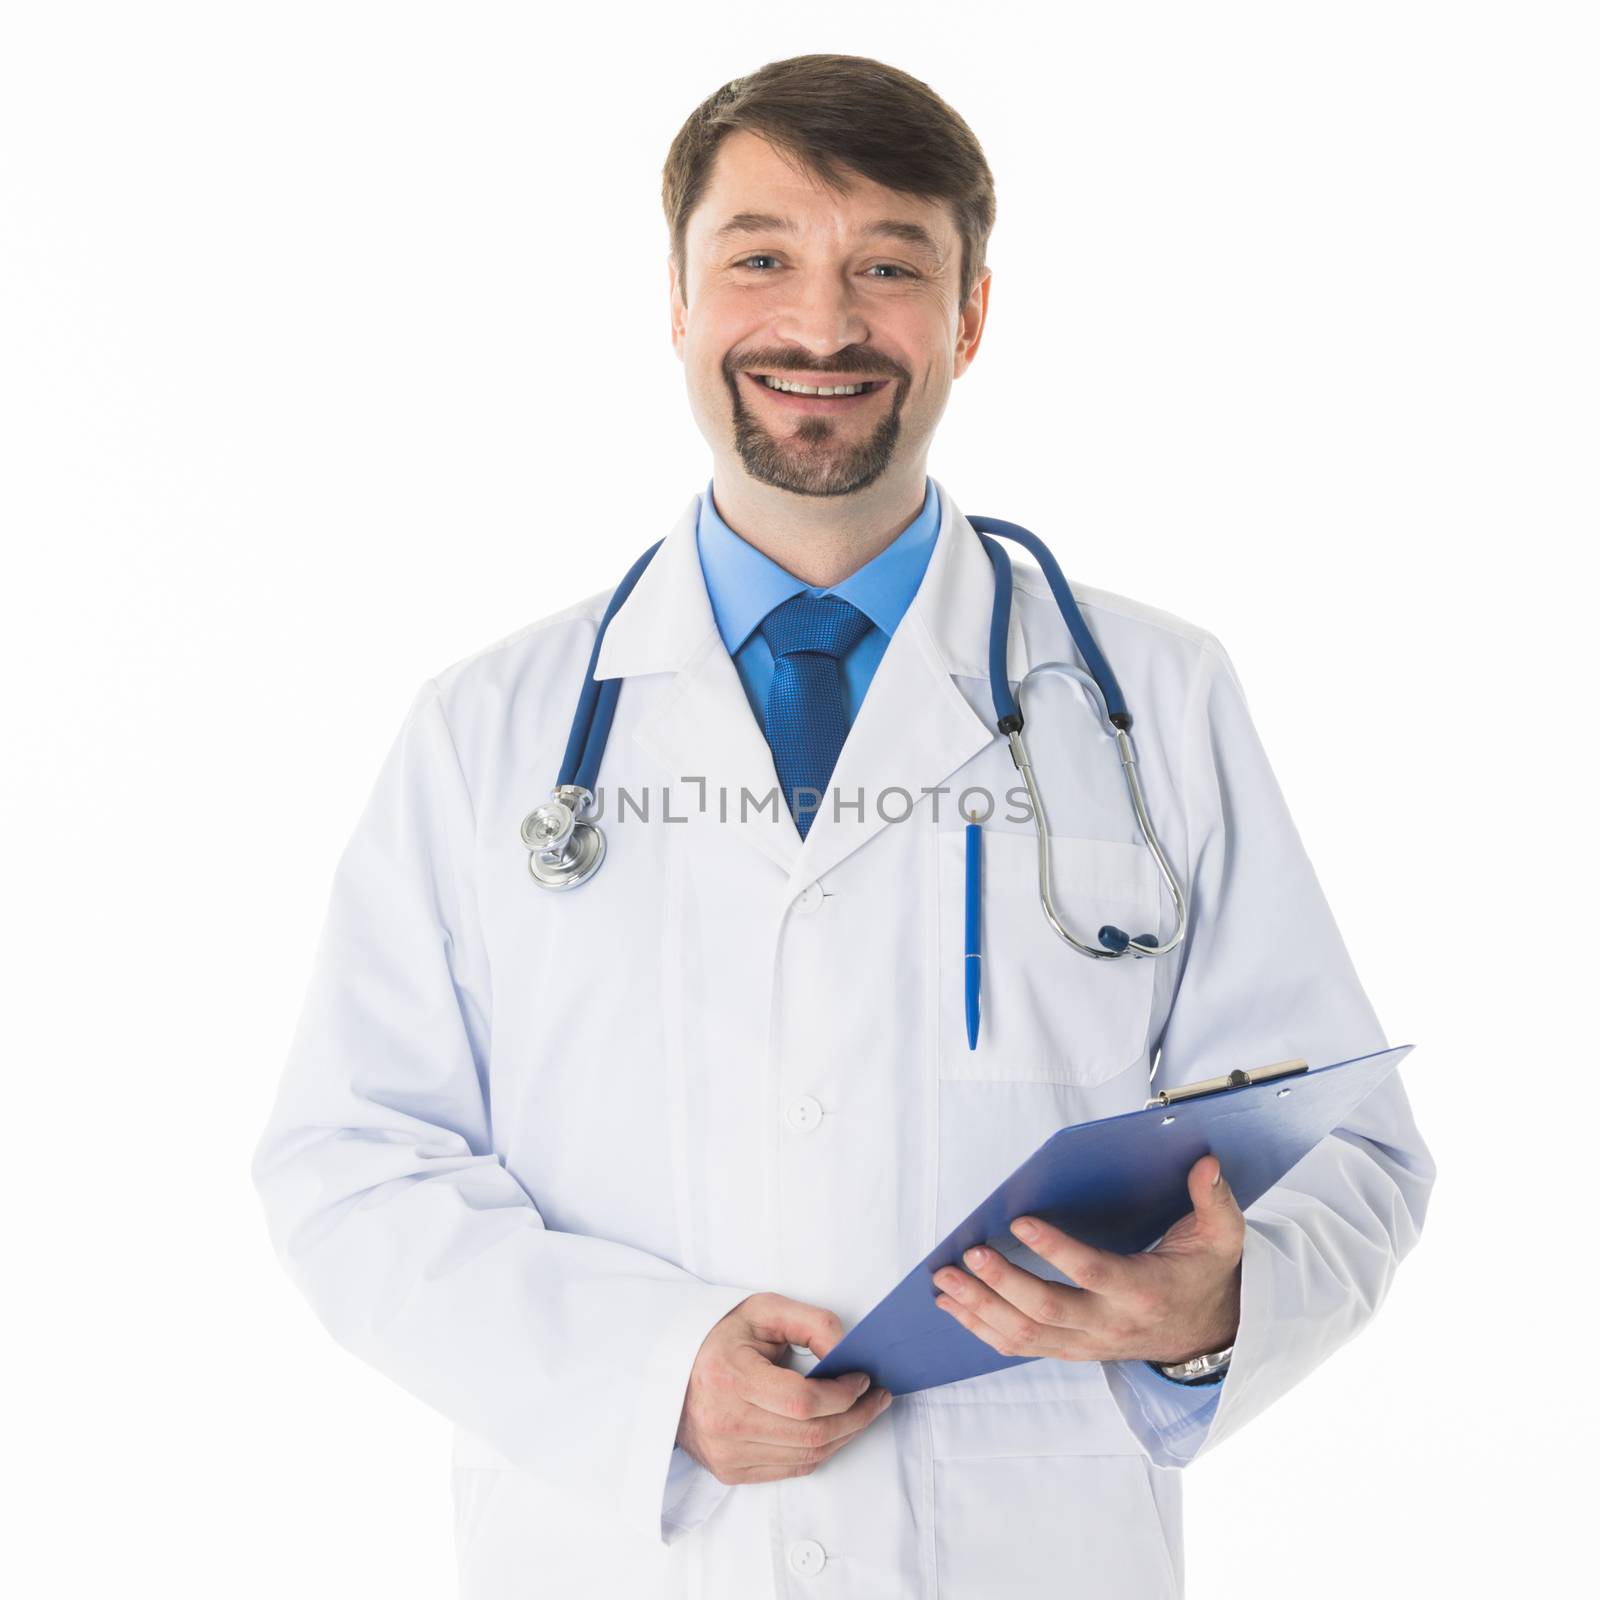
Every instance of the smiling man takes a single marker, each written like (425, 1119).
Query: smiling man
(802, 285)
(600, 1173)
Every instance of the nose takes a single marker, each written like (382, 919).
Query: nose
(822, 315)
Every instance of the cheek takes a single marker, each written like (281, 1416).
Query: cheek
(708, 389)
(928, 393)
(934, 374)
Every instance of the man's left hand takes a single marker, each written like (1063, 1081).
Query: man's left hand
(1176, 1300)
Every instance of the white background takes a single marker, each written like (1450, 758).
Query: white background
(334, 345)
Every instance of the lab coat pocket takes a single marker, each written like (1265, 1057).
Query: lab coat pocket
(1039, 1525)
(1048, 1013)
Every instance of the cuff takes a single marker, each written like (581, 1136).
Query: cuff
(692, 1495)
(660, 1496)
(1174, 1421)
(1170, 1419)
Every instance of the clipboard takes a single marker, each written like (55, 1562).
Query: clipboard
(1118, 1184)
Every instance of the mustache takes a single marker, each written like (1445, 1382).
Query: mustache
(789, 364)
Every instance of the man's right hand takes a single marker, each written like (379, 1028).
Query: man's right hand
(747, 1420)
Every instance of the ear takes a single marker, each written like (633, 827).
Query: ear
(678, 308)
(970, 329)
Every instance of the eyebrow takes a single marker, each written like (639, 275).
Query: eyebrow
(748, 222)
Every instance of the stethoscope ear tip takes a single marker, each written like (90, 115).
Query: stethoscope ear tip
(1114, 939)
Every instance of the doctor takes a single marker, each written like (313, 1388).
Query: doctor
(599, 1174)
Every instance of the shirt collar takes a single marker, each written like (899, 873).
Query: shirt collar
(744, 584)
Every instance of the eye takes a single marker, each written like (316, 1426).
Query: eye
(882, 266)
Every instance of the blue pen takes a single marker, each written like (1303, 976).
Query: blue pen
(974, 961)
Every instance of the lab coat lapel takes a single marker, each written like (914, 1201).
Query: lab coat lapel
(915, 726)
(914, 729)
(702, 730)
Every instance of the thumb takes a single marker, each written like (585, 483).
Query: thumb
(1208, 1188)
(776, 1319)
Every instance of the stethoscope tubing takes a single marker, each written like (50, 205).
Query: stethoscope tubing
(574, 849)
(1130, 773)
(1100, 683)
(1005, 704)
(597, 702)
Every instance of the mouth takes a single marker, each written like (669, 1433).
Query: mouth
(788, 400)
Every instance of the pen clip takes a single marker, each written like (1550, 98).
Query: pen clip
(972, 963)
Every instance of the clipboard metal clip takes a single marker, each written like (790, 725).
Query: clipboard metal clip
(1239, 1078)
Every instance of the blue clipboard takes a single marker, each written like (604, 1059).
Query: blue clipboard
(1117, 1184)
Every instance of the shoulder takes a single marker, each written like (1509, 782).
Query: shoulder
(552, 647)
(545, 638)
(1121, 625)
(525, 681)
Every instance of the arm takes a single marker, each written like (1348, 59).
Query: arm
(1266, 977)
(388, 1206)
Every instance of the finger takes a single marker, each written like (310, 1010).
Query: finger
(1097, 1271)
(791, 1434)
(1053, 1304)
(1064, 1344)
(1215, 1192)
(762, 1464)
(969, 1320)
(777, 1320)
(996, 1321)
(787, 1393)
(1017, 1332)
(1201, 1186)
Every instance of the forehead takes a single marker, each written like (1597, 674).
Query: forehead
(752, 183)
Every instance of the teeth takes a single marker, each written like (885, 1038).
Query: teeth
(801, 388)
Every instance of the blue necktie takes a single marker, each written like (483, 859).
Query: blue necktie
(807, 713)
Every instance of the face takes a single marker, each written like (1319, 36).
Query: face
(788, 280)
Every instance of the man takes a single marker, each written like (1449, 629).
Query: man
(591, 1172)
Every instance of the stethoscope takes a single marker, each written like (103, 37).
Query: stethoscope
(565, 850)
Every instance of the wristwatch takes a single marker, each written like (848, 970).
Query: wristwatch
(1208, 1368)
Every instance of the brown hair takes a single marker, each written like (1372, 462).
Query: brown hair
(829, 112)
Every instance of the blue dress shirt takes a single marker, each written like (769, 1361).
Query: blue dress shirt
(744, 585)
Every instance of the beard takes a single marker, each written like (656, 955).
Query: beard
(815, 457)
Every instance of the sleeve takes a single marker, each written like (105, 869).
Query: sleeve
(1266, 977)
(387, 1205)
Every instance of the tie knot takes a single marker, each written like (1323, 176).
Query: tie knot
(818, 624)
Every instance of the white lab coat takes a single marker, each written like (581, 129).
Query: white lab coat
(530, 1147)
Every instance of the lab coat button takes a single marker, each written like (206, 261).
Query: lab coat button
(807, 1557)
(810, 899)
(804, 1113)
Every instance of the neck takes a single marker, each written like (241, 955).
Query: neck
(821, 539)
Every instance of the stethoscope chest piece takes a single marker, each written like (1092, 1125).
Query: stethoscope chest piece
(562, 851)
